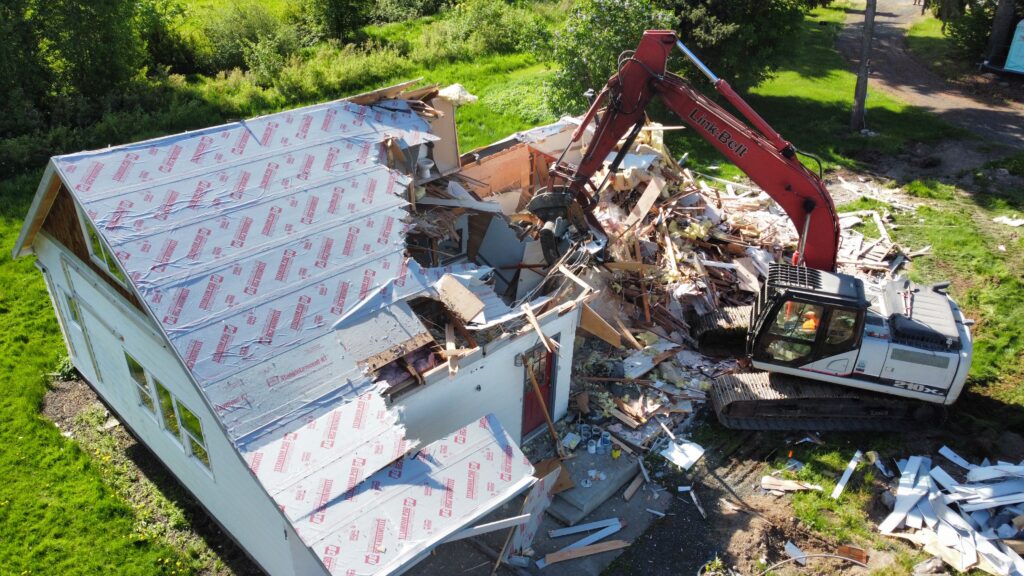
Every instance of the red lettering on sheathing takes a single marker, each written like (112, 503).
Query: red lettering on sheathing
(126, 165)
(506, 464)
(364, 153)
(324, 254)
(395, 471)
(255, 278)
(171, 159)
(199, 242)
(243, 181)
(197, 196)
(362, 405)
(310, 211)
(355, 473)
(165, 207)
(449, 498)
(472, 479)
(270, 327)
(118, 214)
(370, 189)
(212, 287)
(242, 142)
(368, 276)
(336, 196)
(323, 497)
(307, 167)
(90, 176)
(204, 145)
(328, 119)
(284, 265)
(300, 312)
(273, 215)
(303, 131)
(255, 461)
(243, 231)
(165, 255)
(385, 231)
(339, 298)
(226, 336)
(268, 175)
(392, 182)
(332, 156)
(460, 436)
(177, 304)
(350, 240)
(283, 455)
(331, 433)
(403, 274)
(192, 353)
(268, 133)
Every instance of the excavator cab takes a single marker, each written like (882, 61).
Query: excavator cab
(802, 316)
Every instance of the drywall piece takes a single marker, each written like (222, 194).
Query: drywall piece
(846, 475)
(458, 299)
(981, 474)
(996, 490)
(597, 524)
(596, 326)
(907, 495)
(537, 501)
(955, 458)
(985, 504)
(563, 555)
(682, 453)
(502, 250)
(924, 508)
(586, 541)
(943, 478)
(796, 553)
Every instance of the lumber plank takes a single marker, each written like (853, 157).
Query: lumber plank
(574, 553)
(597, 326)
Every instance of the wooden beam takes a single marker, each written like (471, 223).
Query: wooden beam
(449, 349)
(574, 553)
(549, 344)
(628, 335)
(587, 288)
(635, 485)
(547, 415)
(595, 325)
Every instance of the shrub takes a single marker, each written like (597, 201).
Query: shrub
(266, 57)
(488, 26)
(160, 24)
(586, 47)
(338, 19)
(330, 72)
(384, 11)
(970, 30)
(229, 30)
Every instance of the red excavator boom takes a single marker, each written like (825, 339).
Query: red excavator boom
(763, 155)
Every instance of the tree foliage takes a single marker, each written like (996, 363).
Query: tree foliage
(587, 46)
(968, 23)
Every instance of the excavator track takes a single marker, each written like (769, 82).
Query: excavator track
(771, 401)
(728, 325)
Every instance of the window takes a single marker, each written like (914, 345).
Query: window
(100, 255)
(141, 379)
(74, 325)
(174, 417)
(841, 328)
(794, 330)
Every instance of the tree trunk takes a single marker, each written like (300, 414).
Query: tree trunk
(1002, 25)
(860, 94)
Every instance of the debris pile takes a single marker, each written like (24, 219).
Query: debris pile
(970, 516)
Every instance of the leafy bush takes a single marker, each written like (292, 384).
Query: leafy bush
(489, 26)
(65, 370)
(160, 24)
(266, 57)
(586, 47)
(338, 19)
(400, 10)
(969, 30)
(331, 71)
(228, 31)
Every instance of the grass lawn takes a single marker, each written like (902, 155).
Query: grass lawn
(932, 48)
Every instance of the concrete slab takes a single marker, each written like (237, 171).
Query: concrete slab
(576, 503)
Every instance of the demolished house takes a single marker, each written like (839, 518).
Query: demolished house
(336, 332)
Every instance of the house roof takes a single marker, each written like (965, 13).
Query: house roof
(246, 243)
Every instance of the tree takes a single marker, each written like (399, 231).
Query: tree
(1002, 23)
(586, 47)
(740, 39)
(24, 78)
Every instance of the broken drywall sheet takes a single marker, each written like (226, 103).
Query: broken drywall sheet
(537, 501)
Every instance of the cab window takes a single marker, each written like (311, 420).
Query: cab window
(791, 336)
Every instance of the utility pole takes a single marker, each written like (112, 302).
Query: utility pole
(860, 94)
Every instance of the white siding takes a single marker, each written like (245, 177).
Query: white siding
(230, 492)
(445, 403)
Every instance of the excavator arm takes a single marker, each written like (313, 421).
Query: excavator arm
(763, 155)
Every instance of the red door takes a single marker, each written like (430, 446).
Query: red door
(540, 363)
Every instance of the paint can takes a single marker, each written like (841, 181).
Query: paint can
(591, 447)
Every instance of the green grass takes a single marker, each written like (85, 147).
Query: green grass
(928, 45)
(58, 515)
(1013, 163)
(932, 189)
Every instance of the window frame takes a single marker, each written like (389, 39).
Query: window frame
(106, 260)
(142, 388)
(64, 310)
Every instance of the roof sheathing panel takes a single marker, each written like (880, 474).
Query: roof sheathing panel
(246, 241)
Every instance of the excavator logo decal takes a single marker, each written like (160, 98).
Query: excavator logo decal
(723, 136)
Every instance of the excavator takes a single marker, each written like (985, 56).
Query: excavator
(827, 351)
